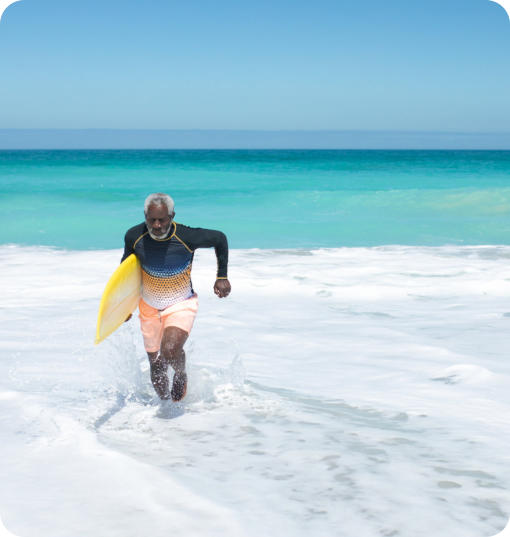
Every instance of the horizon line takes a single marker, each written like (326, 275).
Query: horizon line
(143, 129)
(115, 138)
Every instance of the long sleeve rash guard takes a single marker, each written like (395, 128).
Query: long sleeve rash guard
(166, 263)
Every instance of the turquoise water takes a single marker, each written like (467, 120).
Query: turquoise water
(261, 199)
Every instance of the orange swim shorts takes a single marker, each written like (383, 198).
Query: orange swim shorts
(153, 321)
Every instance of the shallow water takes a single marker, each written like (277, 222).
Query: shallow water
(354, 391)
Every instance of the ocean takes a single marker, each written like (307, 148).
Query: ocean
(261, 199)
(354, 384)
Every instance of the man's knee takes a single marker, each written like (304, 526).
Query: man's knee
(172, 343)
(171, 349)
(153, 356)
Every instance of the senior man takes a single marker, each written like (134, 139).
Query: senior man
(168, 305)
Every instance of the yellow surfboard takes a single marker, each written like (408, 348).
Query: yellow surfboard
(120, 297)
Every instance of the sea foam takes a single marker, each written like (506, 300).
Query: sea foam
(336, 392)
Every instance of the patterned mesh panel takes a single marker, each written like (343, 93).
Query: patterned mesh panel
(162, 292)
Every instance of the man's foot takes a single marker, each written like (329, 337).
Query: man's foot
(179, 386)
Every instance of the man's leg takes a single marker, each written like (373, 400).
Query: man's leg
(150, 324)
(173, 354)
(159, 377)
(170, 339)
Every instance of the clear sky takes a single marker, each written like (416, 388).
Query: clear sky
(265, 64)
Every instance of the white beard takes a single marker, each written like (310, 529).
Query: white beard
(159, 237)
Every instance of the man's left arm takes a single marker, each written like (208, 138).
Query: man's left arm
(209, 238)
(222, 287)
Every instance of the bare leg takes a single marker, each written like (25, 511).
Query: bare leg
(159, 376)
(172, 354)
(172, 345)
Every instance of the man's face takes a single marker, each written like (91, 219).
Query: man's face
(158, 221)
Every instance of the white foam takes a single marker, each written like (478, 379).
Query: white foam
(346, 392)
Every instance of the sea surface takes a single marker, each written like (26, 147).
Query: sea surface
(261, 199)
(354, 384)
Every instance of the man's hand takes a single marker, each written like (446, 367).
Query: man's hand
(222, 288)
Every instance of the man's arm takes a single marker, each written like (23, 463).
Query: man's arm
(222, 287)
(130, 238)
(197, 237)
(208, 238)
(128, 248)
(129, 242)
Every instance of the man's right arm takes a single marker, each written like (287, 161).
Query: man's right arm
(132, 235)
(128, 248)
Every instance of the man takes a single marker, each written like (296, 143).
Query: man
(168, 305)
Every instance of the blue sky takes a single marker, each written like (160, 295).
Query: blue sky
(334, 65)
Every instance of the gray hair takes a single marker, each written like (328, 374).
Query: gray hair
(159, 199)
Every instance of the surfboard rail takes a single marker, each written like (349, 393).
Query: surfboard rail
(120, 297)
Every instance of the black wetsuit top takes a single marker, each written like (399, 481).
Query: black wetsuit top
(166, 263)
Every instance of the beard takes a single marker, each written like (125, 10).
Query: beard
(161, 236)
